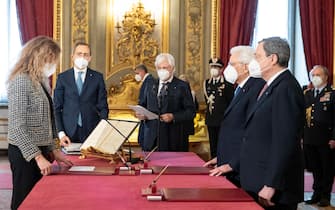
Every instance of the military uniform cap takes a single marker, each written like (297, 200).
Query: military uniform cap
(215, 62)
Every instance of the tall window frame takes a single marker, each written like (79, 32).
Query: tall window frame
(10, 42)
(282, 18)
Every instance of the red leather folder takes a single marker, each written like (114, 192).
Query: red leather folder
(182, 170)
(98, 170)
(205, 195)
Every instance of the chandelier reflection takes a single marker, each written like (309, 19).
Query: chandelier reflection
(136, 43)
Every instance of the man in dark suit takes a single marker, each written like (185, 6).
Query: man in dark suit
(171, 99)
(218, 94)
(232, 126)
(80, 98)
(142, 75)
(319, 135)
(271, 160)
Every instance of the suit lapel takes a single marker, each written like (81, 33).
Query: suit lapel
(88, 80)
(240, 95)
(267, 94)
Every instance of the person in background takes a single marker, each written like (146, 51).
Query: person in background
(142, 75)
(190, 124)
(271, 159)
(171, 99)
(31, 125)
(80, 98)
(218, 94)
(319, 135)
(240, 70)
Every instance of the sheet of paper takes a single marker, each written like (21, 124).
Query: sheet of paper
(82, 168)
(141, 110)
(73, 147)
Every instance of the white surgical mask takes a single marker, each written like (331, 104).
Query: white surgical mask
(214, 72)
(163, 74)
(138, 78)
(49, 69)
(316, 81)
(230, 74)
(254, 69)
(81, 63)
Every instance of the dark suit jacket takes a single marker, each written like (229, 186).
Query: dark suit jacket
(232, 126)
(179, 102)
(223, 93)
(321, 126)
(141, 99)
(92, 103)
(270, 151)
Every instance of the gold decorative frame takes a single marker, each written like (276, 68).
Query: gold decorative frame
(57, 30)
(79, 21)
(215, 39)
(114, 66)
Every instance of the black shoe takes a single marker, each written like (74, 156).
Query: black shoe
(324, 202)
(313, 200)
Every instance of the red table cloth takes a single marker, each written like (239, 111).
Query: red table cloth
(63, 191)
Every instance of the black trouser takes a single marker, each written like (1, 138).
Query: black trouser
(25, 175)
(213, 133)
(78, 136)
(320, 161)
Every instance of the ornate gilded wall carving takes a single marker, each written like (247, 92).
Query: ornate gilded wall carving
(136, 43)
(194, 37)
(135, 37)
(79, 21)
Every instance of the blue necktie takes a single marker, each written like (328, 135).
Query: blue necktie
(79, 83)
(237, 91)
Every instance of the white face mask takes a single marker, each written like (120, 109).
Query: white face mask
(138, 78)
(81, 63)
(163, 74)
(316, 81)
(254, 69)
(230, 74)
(49, 69)
(214, 72)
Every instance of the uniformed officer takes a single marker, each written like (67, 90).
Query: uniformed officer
(319, 135)
(218, 94)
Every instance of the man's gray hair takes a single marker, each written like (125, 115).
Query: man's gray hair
(323, 68)
(245, 53)
(165, 56)
(279, 47)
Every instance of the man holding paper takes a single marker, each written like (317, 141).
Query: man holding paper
(171, 99)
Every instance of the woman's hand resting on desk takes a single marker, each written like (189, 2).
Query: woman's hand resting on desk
(61, 158)
(43, 164)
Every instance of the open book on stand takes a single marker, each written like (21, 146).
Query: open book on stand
(107, 138)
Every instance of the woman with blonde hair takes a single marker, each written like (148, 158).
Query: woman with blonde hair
(31, 125)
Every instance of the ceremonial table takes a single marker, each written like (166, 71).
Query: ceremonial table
(67, 191)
